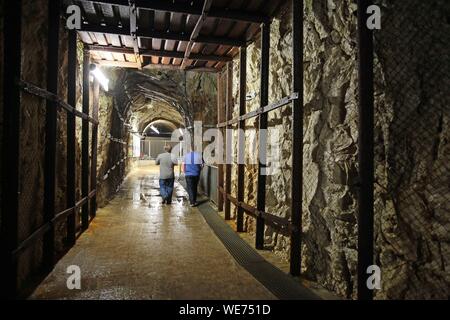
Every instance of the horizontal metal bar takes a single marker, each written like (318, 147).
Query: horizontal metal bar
(159, 53)
(116, 140)
(44, 94)
(175, 67)
(169, 6)
(44, 228)
(154, 34)
(273, 106)
(281, 103)
(282, 225)
(30, 240)
(106, 175)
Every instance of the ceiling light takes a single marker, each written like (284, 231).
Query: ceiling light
(154, 129)
(98, 74)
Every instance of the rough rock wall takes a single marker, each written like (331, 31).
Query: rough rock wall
(330, 239)
(32, 132)
(412, 209)
(411, 226)
(329, 223)
(201, 90)
(108, 151)
(32, 136)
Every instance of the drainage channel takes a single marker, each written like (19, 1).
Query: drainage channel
(282, 285)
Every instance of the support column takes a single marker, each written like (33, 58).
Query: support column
(241, 137)
(228, 138)
(264, 94)
(96, 92)
(71, 138)
(297, 138)
(10, 146)
(220, 120)
(85, 143)
(365, 150)
(50, 133)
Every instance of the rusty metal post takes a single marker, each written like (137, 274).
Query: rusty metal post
(228, 139)
(85, 143)
(95, 102)
(219, 120)
(264, 93)
(71, 136)
(50, 133)
(297, 138)
(241, 137)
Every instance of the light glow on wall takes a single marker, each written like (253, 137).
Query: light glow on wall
(104, 82)
(136, 146)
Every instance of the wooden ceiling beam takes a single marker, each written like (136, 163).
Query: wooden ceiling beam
(168, 6)
(196, 32)
(121, 64)
(173, 67)
(153, 34)
(159, 53)
(133, 32)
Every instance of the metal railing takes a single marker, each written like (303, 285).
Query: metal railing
(11, 247)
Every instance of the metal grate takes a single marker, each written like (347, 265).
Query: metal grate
(283, 286)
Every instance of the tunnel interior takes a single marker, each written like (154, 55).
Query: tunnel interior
(356, 145)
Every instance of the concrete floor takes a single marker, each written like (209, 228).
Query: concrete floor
(137, 248)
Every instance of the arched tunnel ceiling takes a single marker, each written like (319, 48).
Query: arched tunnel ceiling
(162, 125)
(147, 97)
(155, 111)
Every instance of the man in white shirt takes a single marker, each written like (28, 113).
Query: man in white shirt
(166, 162)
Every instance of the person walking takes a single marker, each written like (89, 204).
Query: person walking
(166, 162)
(193, 164)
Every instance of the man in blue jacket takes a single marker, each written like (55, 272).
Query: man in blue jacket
(193, 164)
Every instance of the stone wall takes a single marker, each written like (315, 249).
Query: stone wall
(411, 228)
(32, 133)
(412, 208)
(32, 136)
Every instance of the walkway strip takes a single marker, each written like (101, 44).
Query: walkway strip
(282, 285)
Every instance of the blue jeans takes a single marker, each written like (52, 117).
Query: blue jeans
(191, 186)
(166, 189)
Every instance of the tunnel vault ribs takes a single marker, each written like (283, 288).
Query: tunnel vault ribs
(139, 87)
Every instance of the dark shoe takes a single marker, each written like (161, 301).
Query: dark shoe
(164, 201)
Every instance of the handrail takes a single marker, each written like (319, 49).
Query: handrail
(106, 175)
(44, 94)
(257, 112)
(283, 225)
(45, 227)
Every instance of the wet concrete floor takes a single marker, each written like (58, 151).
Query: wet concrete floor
(137, 248)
